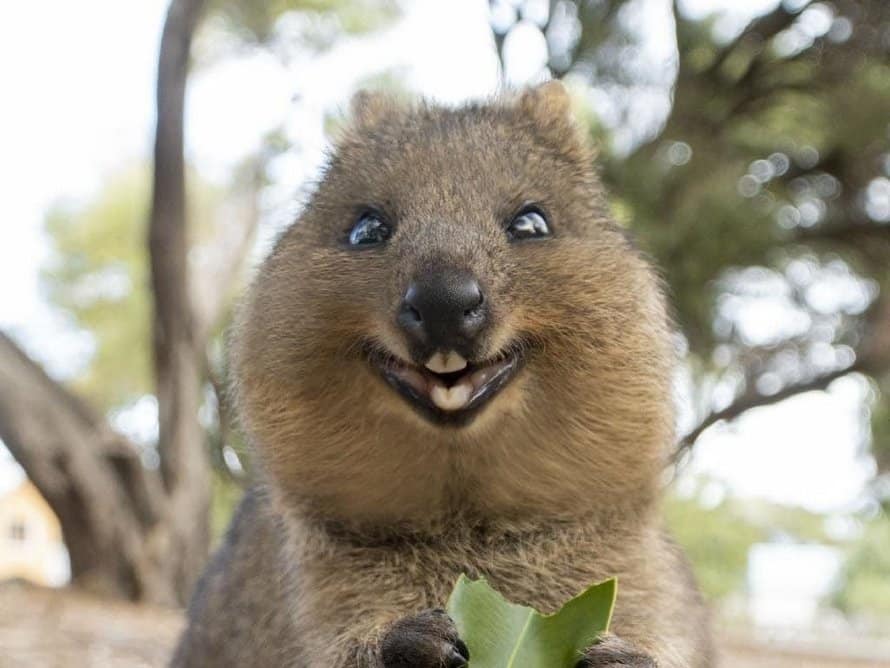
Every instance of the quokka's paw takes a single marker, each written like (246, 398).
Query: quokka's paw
(613, 652)
(425, 640)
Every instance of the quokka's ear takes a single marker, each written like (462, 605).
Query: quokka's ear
(549, 107)
(549, 103)
(368, 108)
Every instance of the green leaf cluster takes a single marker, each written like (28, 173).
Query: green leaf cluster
(500, 634)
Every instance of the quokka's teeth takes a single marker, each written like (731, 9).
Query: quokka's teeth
(451, 398)
(447, 362)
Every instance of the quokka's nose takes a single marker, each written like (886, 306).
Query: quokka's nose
(443, 310)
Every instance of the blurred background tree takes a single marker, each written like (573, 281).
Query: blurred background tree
(98, 274)
(135, 509)
(758, 175)
(865, 587)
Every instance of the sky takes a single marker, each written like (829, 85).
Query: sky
(79, 106)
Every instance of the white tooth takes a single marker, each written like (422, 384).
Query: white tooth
(436, 363)
(454, 362)
(451, 398)
(446, 362)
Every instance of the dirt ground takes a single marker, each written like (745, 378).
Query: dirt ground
(42, 628)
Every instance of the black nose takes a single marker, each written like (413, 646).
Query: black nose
(443, 310)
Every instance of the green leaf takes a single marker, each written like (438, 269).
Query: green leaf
(501, 634)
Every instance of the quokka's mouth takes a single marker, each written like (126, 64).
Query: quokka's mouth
(448, 389)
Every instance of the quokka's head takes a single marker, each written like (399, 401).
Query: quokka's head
(454, 300)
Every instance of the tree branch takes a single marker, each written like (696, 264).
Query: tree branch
(763, 28)
(753, 399)
(90, 476)
(851, 233)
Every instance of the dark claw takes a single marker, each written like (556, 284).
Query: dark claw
(425, 640)
(457, 660)
(462, 648)
(460, 655)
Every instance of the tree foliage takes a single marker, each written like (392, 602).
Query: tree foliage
(97, 273)
(717, 541)
(766, 185)
(865, 586)
(291, 27)
(763, 194)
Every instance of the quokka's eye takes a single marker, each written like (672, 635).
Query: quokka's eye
(369, 230)
(529, 223)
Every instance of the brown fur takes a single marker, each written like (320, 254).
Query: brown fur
(368, 512)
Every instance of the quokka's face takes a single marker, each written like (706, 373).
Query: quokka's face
(453, 267)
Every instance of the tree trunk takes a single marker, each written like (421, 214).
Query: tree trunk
(106, 501)
(178, 351)
(131, 532)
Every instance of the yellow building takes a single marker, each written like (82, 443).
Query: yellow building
(31, 546)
